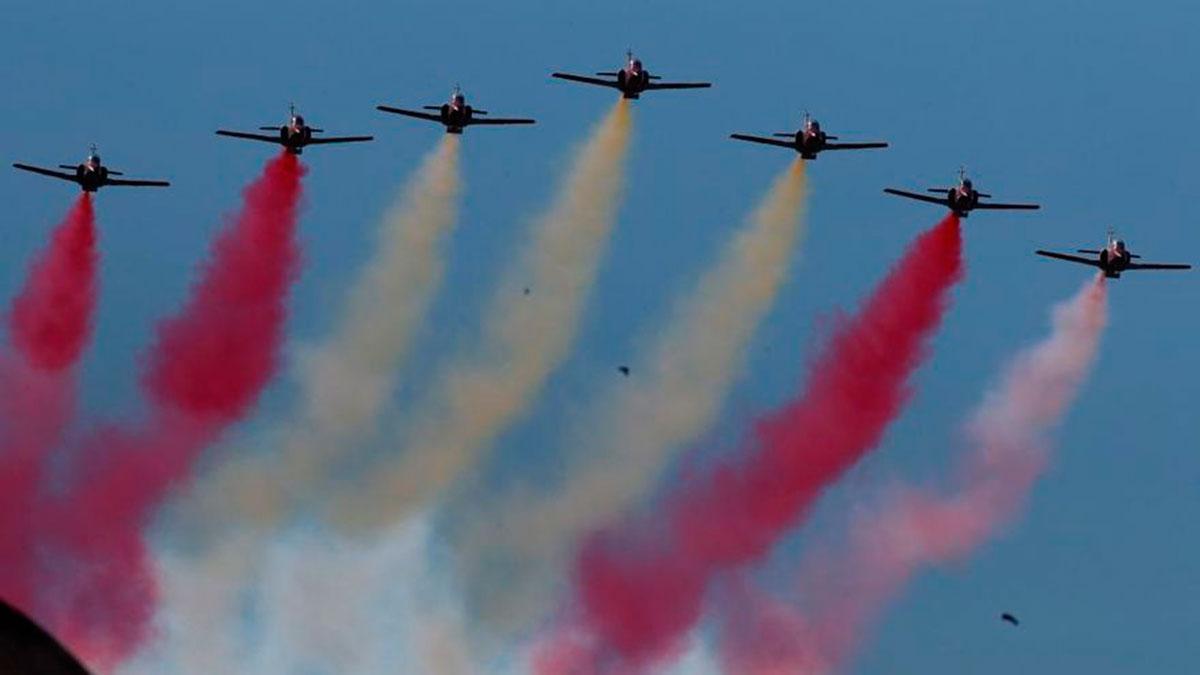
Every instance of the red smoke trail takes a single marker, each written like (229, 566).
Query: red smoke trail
(641, 586)
(205, 370)
(49, 324)
(846, 593)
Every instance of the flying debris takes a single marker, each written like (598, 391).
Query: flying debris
(91, 175)
(808, 141)
(631, 80)
(624, 370)
(455, 114)
(1113, 259)
(294, 135)
(1010, 619)
(27, 648)
(961, 199)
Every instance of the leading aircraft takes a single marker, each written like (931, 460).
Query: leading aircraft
(91, 175)
(1113, 259)
(808, 141)
(961, 199)
(631, 80)
(455, 114)
(294, 135)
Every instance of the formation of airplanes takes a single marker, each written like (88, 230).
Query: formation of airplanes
(632, 80)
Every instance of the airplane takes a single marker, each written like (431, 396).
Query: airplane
(456, 115)
(1113, 259)
(631, 80)
(294, 135)
(91, 175)
(961, 199)
(808, 141)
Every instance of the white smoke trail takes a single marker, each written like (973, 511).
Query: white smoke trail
(887, 546)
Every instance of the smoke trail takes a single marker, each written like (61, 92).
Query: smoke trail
(1009, 435)
(641, 584)
(346, 381)
(622, 449)
(205, 370)
(50, 322)
(524, 338)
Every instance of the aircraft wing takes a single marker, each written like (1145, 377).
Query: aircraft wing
(501, 120)
(587, 80)
(1070, 258)
(46, 172)
(678, 85)
(137, 183)
(918, 196)
(853, 146)
(410, 113)
(1157, 266)
(340, 139)
(1007, 207)
(253, 137)
(764, 141)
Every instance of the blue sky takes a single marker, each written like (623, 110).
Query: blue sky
(1087, 107)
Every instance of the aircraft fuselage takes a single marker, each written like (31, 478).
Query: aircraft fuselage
(633, 80)
(962, 200)
(294, 137)
(809, 142)
(456, 116)
(1114, 260)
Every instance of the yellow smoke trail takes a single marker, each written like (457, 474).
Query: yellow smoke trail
(622, 449)
(346, 381)
(524, 337)
(345, 384)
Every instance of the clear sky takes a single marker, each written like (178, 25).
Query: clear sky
(1086, 106)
